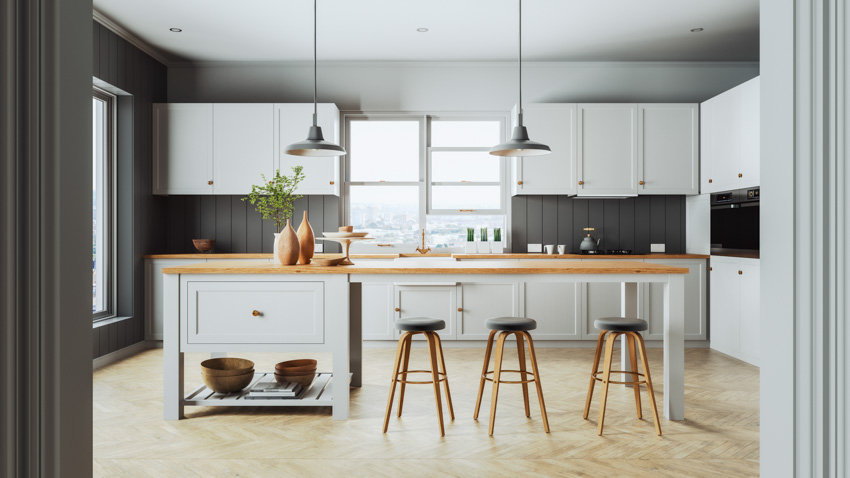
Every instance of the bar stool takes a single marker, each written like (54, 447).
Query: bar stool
(414, 326)
(613, 327)
(518, 326)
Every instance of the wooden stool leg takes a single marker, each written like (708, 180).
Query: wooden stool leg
(484, 373)
(642, 349)
(497, 372)
(443, 365)
(632, 341)
(520, 348)
(405, 360)
(398, 354)
(432, 350)
(606, 376)
(599, 343)
(537, 380)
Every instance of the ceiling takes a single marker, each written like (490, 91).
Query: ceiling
(458, 30)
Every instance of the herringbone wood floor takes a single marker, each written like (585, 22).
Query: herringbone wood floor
(719, 438)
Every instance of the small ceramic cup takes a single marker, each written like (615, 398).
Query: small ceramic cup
(562, 249)
(550, 248)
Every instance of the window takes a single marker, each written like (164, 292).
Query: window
(406, 173)
(103, 252)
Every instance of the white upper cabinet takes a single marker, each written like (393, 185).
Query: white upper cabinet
(607, 150)
(183, 148)
(291, 124)
(730, 139)
(668, 149)
(553, 124)
(243, 146)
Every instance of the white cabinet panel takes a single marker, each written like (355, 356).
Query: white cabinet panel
(725, 137)
(554, 125)
(750, 311)
(607, 149)
(750, 134)
(706, 147)
(153, 293)
(668, 149)
(725, 303)
(695, 301)
(556, 306)
(292, 123)
(434, 301)
(182, 148)
(377, 311)
(221, 312)
(243, 146)
(479, 302)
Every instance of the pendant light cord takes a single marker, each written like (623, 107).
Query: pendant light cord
(519, 117)
(315, 69)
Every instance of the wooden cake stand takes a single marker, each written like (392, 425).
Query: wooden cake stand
(346, 244)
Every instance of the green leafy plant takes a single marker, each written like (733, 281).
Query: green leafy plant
(274, 198)
(483, 234)
(470, 234)
(497, 234)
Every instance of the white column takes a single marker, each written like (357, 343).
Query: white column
(674, 347)
(628, 309)
(172, 358)
(337, 332)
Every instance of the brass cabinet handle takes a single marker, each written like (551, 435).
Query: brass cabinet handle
(466, 210)
(460, 309)
(397, 309)
(709, 180)
(384, 245)
(710, 269)
(580, 183)
(641, 183)
(255, 313)
(740, 175)
(519, 182)
(209, 182)
(332, 183)
(740, 273)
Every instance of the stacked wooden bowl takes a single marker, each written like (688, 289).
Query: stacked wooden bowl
(301, 371)
(227, 374)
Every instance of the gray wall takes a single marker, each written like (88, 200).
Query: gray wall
(632, 223)
(235, 224)
(141, 216)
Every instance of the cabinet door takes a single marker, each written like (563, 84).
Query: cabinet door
(750, 134)
(153, 293)
(243, 146)
(706, 153)
(668, 147)
(750, 311)
(435, 301)
(556, 306)
(292, 123)
(182, 147)
(607, 149)
(605, 299)
(555, 173)
(377, 311)
(725, 300)
(695, 301)
(724, 126)
(479, 302)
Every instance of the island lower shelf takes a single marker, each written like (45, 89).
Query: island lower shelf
(319, 394)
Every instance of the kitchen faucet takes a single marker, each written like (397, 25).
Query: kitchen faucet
(422, 249)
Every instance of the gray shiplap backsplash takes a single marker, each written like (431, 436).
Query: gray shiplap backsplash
(631, 223)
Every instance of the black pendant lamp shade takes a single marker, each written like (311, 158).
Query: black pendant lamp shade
(315, 144)
(519, 144)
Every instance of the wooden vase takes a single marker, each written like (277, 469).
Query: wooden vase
(306, 240)
(286, 248)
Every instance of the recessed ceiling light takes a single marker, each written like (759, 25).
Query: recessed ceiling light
(422, 30)
(697, 30)
(176, 30)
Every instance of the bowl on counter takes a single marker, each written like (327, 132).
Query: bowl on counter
(324, 261)
(203, 245)
(226, 367)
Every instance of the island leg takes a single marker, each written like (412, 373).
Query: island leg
(674, 347)
(628, 309)
(172, 357)
(337, 332)
(355, 333)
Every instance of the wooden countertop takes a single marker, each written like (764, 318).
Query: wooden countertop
(456, 256)
(438, 267)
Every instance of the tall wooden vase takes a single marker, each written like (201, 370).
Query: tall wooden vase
(286, 248)
(306, 240)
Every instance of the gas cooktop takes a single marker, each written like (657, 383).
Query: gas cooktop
(608, 252)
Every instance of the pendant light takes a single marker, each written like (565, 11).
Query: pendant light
(519, 144)
(315, 144)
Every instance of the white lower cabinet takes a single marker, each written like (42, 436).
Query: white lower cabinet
(153, 293)
(478, 302)
(735, 310)
(696, 295)
(438, 301)
(557, 308)
(377, 311)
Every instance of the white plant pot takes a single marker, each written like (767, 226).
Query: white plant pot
(496, 248)
(469, 248)
(483, 247)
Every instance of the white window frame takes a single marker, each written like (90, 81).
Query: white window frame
(424, 182)
(107, 194)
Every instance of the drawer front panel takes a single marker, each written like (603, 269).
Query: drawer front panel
(224, 312)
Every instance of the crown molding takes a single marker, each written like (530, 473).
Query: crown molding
(134, 40)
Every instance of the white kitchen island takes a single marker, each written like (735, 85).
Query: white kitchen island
(262, 307)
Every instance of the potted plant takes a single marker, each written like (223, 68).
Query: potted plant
(483, 244)
(274, 199)
(470, 240)
(496, 248)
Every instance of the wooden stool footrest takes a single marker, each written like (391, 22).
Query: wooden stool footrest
(402, 380)
(485, 377)
(635, 374)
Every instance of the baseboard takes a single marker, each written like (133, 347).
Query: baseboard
(120, 354)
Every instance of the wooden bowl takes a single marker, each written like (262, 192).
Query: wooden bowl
(335, 261)
(305, 379)
(296, 366)
(229, 384)
(346, 228)
(226, 367)
(203, 245)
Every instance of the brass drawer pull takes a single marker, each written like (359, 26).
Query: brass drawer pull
(740, 175)
(740, 273)
(466, 210)
(397, 309)
(709, 180)
(460, 309)
(641, 183)
(580, 183)
(332, 183)
(384, 245)
(256, 313)
(519, 182)
(209, 182)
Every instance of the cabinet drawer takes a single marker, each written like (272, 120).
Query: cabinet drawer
(224, 312)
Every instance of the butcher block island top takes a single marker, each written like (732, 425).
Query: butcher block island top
(437, 267)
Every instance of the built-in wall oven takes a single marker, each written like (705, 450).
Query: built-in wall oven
(735, 221)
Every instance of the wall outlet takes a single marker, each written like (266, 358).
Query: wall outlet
(656, 247)
(318, 248)
(535, 248)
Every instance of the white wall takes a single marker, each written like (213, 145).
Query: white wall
(455, 86)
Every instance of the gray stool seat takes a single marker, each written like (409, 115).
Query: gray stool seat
(620, 324)
(513, 324)
(420, 324)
